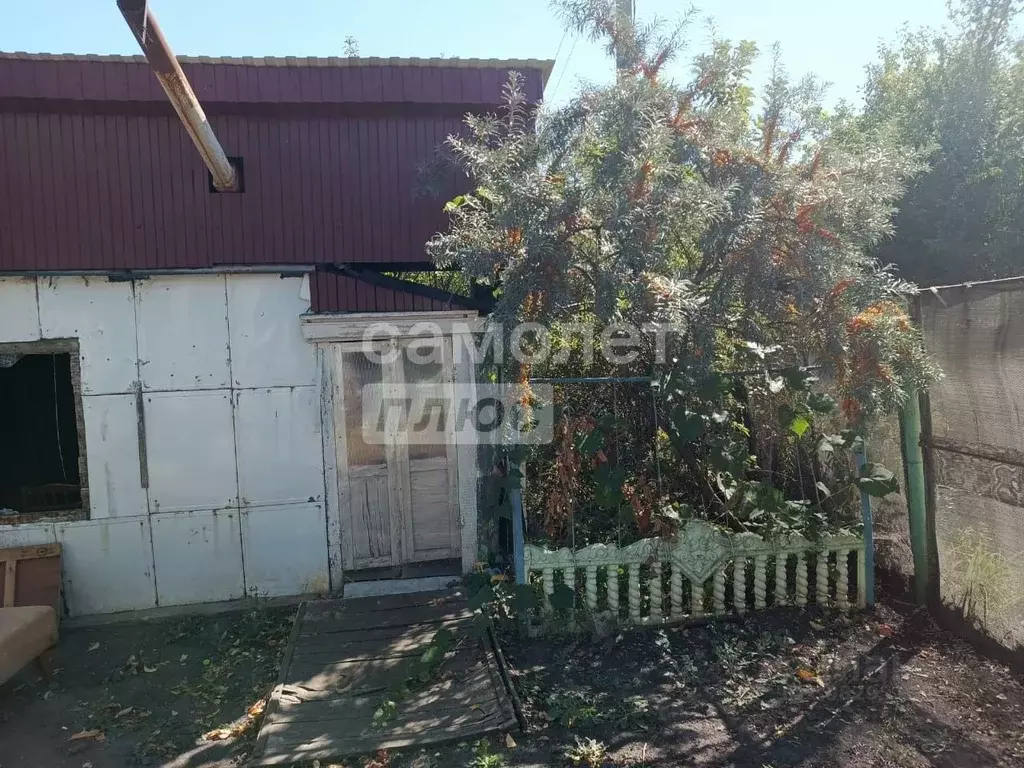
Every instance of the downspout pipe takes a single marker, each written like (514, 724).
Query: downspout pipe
(168, 71)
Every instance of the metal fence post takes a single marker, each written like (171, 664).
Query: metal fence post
(869, 534)
(910, 437)
(518, 540)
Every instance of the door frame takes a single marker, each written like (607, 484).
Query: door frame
(328, 332)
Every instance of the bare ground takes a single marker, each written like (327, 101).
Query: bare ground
(785, 689)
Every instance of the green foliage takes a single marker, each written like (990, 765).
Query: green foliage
(745, 227)
(420, 672)
(484, 757)
(959, 93)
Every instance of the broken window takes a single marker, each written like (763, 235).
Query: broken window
(42, 465)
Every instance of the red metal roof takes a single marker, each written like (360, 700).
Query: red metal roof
(96, 172)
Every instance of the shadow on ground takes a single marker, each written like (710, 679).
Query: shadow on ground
(783, 689)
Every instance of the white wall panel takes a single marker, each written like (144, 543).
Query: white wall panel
(198, 557)
(27, 535)
(280, 451)
(285, 549)
(108, 565)
(183, 333)
(101, 315)
(112, 437)
(267, 348)
(19, 311)
(190, 450)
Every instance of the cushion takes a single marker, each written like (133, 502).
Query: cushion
(25, 633)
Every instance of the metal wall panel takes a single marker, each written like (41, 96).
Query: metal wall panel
(183, 332)
(267, 348)
(19, 312)
(285, 550)
(190, 448)
(108, 565)
(112, 435)
(101, 315)
(198, 557)
(280, 451)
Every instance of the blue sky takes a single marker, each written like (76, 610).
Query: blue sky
(833, 39)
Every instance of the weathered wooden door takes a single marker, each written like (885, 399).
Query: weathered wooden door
(430, 522)
(397, 492)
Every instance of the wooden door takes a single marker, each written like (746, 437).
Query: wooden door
(368, 492)
(431, 519)
(398, 496)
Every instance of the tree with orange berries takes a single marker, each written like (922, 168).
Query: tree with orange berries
(747, 225)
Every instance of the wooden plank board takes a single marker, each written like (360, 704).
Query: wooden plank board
(347, 607)
(344, 657)
(422, 614)
(313, 743)
(378, 636)
(29, 553)
(362, 707)
(474, 689)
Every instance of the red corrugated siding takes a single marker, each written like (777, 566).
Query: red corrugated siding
(96, 172)
(340, 293)
(115, 192)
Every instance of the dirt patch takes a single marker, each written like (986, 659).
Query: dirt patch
(786, 689)
(146, 694)
(885, 690)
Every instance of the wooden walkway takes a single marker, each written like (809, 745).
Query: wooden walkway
(343, 658)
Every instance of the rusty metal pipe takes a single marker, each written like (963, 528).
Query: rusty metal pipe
(167, 70)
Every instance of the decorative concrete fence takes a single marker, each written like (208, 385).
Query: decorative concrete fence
(703, 572)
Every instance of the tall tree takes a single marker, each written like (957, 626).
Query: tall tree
(958, 93)
(745, 227)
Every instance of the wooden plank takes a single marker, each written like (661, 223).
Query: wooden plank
(481, 697)
(349, 606)
(29, 552)
(425, 614)
(328, 739)
(341, 648)
(351, 677)
(10, 575)
(480, 678)
(275, 696)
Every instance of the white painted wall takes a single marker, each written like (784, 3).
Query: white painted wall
(236, 496)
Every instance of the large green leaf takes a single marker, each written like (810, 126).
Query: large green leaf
(687, 425)
(876, 480)
(797, 378)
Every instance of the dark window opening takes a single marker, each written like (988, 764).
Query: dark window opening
(39, 441)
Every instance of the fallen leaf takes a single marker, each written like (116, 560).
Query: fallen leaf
(148, 668)
(94, 647)
(474, 706)
(184, 658)
(220, 734)
(125, 711)
(257, 709)
(886, 630)
(510, 743)
(95, 733)
(817, 626)
(86, 764)
(809, 676)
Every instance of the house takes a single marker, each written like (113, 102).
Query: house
(174, 360)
